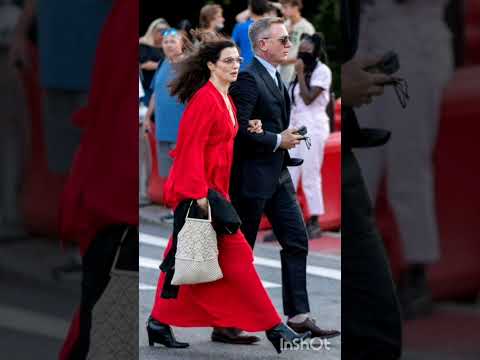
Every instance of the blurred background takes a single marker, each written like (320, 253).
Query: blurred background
(424, 181)
(47, 52)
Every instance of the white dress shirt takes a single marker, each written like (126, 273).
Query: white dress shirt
(272, 71)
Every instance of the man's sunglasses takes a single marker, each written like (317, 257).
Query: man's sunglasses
(283, 40)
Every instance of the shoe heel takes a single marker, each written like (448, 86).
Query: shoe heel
(276, 342)
(150, 341)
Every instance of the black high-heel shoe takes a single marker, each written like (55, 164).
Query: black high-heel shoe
(159, 333)
(282, 331)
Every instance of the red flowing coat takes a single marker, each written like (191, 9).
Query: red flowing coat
(202, 160)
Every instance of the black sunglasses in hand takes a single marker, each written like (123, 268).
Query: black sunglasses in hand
(401, 90)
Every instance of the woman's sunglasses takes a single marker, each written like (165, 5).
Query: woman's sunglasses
(168, 32)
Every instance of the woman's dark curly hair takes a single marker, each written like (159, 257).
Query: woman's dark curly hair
(193, 72)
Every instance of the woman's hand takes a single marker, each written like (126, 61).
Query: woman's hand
(299, 66)
(255, 126)
(203, 205)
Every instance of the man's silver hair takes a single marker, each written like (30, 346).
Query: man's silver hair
(261, 28)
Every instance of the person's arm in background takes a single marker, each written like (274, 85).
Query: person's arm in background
(242, 16)
(145, 62)
(149, 65)
(308, 95)
(147, 124)
(235, 35)
(19, 53)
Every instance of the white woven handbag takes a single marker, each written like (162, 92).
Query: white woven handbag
(114, 331)
(196, 259)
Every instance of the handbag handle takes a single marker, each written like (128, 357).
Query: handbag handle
(209, 212)
(117, 254)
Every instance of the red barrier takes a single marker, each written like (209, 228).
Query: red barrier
(41, 190)
(457, 274)
(338, 114)
(332, 182)
(331, 178)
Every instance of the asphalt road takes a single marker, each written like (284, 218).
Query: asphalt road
(324, 294)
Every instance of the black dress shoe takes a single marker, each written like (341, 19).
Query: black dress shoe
(283, 332)
(314, 230)
(270, 237)
(309, 325)
(233, 336)
(414, 293)
(159, 333)
(294, 162)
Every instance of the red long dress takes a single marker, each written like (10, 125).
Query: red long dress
(202, 160)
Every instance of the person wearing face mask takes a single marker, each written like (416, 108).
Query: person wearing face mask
(418, 33)
(310, 93)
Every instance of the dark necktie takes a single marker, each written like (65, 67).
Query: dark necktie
(279, 81)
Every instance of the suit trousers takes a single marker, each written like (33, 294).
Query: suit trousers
(371, 320)
(284, 214)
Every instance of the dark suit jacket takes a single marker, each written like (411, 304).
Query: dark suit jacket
(352, 134)
(256, 167)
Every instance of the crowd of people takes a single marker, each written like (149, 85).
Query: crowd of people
(228, 113)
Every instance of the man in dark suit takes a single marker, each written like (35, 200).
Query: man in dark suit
(370, 313)
(260, 180)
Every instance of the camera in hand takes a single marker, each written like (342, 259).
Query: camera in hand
(388, 64)
(302, 131)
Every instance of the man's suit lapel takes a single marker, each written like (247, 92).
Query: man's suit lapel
(274, 89)
(268, 79)
(287, 106)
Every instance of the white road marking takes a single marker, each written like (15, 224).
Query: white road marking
(261, 261)
(146, 287)
(266, 285)
(32, 322)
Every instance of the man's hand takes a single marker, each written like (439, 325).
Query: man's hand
(360, 86)
(290, 139)
(255, 126)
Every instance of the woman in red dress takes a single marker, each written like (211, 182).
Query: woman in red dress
(202, 160)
